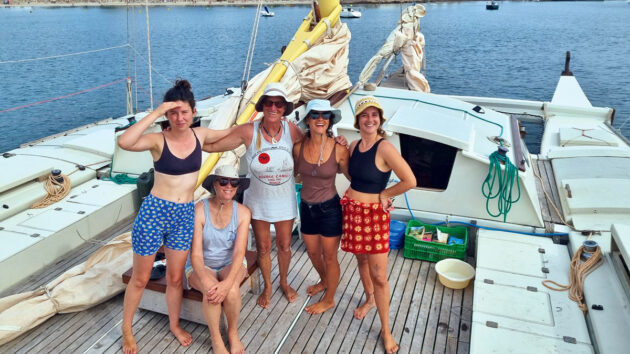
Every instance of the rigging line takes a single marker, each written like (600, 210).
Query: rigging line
(152, 68)
(62, 97)
(128, 49)
(146, 10)
(135, 61)
(624, 123)
(252, 44)
(251, 58)
(63, 55)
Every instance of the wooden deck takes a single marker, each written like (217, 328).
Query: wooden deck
(550, 216)
(426, 317)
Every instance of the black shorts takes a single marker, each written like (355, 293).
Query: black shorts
(321, 218)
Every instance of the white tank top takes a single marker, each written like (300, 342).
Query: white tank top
(271, 193)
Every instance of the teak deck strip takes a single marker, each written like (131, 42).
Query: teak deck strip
(545, 171)
(424, 316)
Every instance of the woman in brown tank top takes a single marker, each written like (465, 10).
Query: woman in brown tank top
(318, 159)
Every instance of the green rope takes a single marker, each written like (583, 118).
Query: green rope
(121, 178)
(504, 182)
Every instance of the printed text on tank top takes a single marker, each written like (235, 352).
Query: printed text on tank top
(172, 165)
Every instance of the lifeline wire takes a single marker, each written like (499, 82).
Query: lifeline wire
(63, 55)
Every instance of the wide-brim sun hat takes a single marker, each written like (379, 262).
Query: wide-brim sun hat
(320, 106)
(227, 171)
(365, 103)
(275, 89)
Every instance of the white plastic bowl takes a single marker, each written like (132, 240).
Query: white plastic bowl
(453, 273)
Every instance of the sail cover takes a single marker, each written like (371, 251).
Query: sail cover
(407, 40)
(81, 287)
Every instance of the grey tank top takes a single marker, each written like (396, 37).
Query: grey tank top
(218, 244)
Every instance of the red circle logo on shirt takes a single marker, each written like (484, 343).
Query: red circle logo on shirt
(263, 158)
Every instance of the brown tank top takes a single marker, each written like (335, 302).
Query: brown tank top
(318, 182)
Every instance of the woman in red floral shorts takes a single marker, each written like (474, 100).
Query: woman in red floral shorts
(366, 207)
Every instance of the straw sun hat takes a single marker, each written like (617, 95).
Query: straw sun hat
(363, 104)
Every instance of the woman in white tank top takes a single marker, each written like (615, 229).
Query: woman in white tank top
(271, 196)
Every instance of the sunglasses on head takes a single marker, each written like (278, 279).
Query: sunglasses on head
(223, 181)
(317, 114)
(269, 103)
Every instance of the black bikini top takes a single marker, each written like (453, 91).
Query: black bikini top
(170, 164)
(366, 177)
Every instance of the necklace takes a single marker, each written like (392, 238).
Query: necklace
(321, 157)
(273, 137)
(219, 217)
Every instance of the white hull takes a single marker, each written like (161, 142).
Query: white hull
(349, 13)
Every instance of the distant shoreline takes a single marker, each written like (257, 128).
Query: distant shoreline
(105, 3)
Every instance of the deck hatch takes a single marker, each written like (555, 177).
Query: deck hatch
(446, 128)
(524, 260)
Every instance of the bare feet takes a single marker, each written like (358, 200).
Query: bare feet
(129, 345)
(263, 299)
(218, 347)
(182, 336)
(389, 342)
(289, 292)
(319, 307)
(363, 310)
(314, 289)
(236, 347)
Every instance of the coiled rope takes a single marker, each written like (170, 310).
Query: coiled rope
(504, 182)
(577, 273)
(57, 187)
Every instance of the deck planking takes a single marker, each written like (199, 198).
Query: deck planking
(544, 169)
(424, 316)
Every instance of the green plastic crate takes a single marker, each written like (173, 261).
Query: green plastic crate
(435, 251)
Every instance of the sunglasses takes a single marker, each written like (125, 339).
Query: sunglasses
(278, 104)
(317, 114)
(223, 181)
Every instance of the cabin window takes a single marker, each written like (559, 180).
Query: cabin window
(430, 161)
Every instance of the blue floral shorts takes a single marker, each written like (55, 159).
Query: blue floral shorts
(162, 222)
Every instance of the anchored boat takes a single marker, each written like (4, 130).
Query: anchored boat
(492, 5)
(348, 12)
(266, 13)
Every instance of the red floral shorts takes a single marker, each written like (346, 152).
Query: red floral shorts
(365, 227)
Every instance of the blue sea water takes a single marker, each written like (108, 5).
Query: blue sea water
(516, 52)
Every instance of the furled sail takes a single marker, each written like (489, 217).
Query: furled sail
(407, 40)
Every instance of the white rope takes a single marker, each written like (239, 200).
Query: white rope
(146, 10)
(63, 55)
(252, 44)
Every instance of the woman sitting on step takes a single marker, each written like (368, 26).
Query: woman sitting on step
(217, 263)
